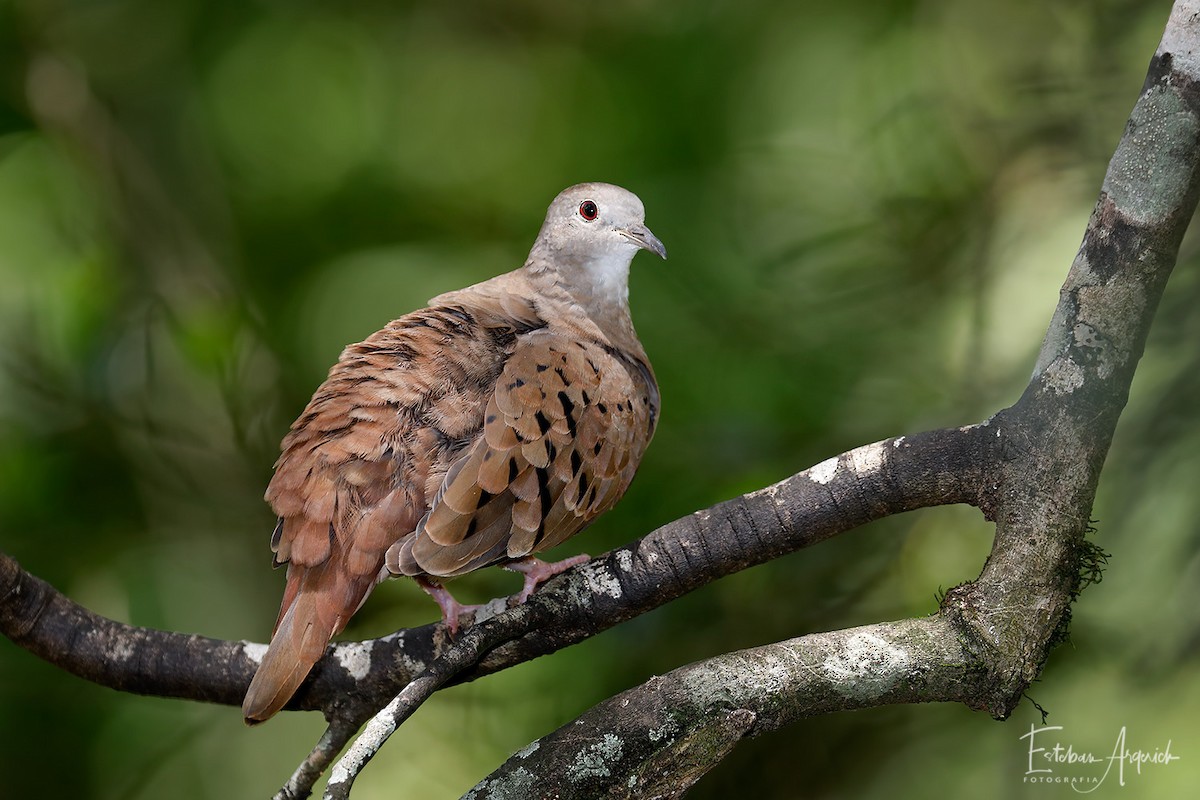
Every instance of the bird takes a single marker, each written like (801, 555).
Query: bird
(492, 425)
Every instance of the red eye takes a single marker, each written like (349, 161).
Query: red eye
(588, 210)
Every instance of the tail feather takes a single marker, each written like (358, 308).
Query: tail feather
(298, 644)
(320, 598)
(317, 604)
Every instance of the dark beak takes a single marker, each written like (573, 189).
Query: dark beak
(641, 236)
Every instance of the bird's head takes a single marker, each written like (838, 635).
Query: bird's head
(591, 233)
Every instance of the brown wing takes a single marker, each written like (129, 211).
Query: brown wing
(352, 479)
(563, 434)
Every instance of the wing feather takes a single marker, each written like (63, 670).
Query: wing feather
(562, 435)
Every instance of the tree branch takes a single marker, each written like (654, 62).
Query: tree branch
(657, 739)
(356, 678)
(992, 636)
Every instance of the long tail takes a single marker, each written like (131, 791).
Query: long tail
(316, 605)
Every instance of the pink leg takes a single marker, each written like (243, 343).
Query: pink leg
(451, 608)
(537, 572)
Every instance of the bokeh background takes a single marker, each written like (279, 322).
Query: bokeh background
(869, 208)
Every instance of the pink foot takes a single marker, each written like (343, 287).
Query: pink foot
(451, 608)
(537, 572)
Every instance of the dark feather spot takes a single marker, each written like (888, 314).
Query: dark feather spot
(470, 528)
(513, 470)
(596, 448)
(485, 497)
(400, 350)
(576, 461)
(543, 423)
(602, 408)
(542, 367)
(460, 314)
(490, 419)
(568, 411)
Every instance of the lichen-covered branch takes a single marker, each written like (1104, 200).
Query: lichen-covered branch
(992, 636)
(475, 640)
(357, 678)
(657, 739)
(1061, 428)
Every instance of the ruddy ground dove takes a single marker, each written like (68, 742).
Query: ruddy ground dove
(490, 426)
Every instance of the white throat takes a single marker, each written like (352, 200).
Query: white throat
(610, 277)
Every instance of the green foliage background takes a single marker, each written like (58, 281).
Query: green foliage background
(869, 208)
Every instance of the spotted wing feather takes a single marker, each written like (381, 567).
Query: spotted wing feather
(563, 433)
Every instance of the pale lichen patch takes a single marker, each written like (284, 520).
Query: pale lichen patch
(355, 658)
(412, 666)
(598, 580)
(516, 785)
(867, 665)
(1086, 335)
(666, 732)
(492, 608)
(122, 650)
(867, 459)
(1063, 376)
(528, 750)
(597, 759)
(254, 651)
(823, 473)
(771, 673)
(625, 560)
